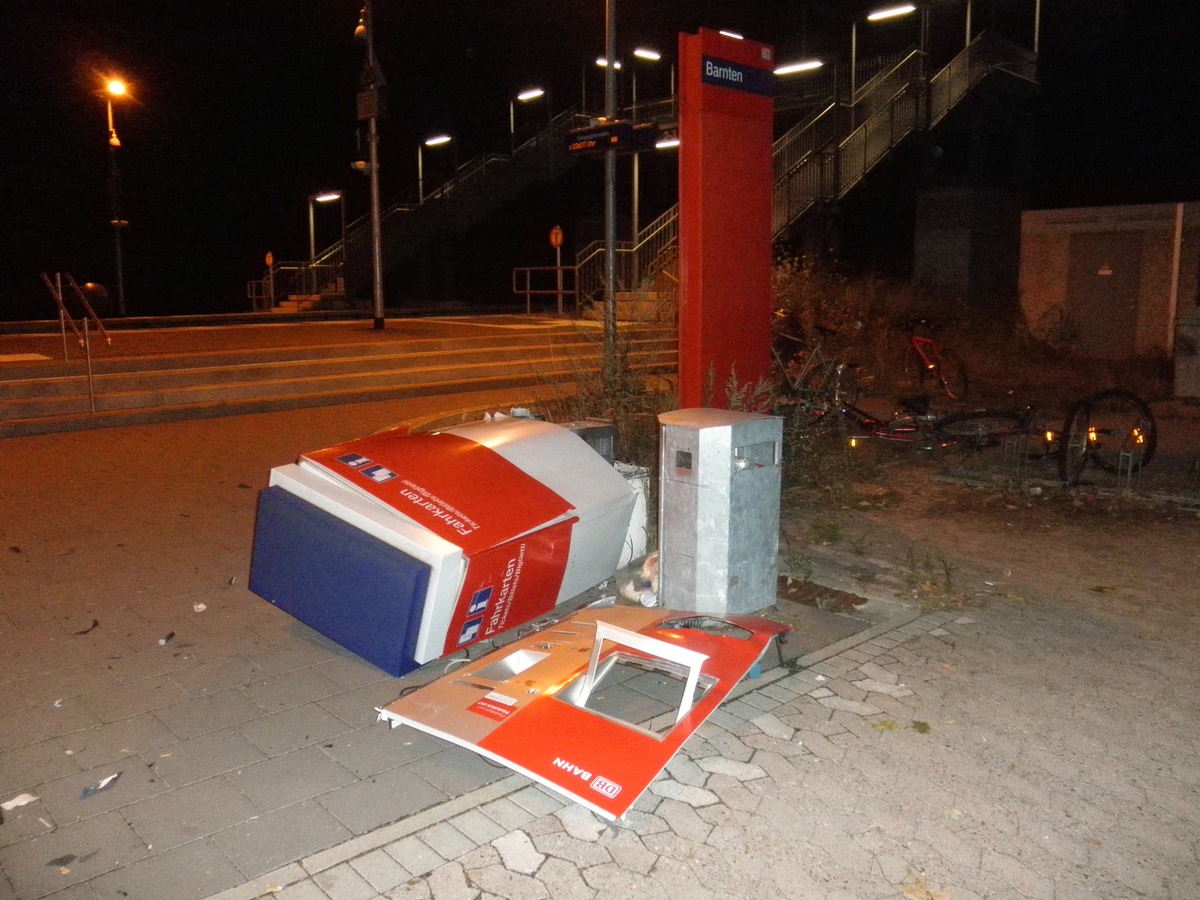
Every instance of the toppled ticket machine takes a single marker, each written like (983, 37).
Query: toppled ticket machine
(594, 705)
(406, 547)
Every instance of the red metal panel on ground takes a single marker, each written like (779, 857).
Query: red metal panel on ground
(726, 171)
(516, 705)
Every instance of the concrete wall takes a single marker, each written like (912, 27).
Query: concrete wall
(1166, 287)
(966, 242)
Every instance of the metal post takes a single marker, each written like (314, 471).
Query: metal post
(376, 225)
(114, 180)
(610, 194)
(87, 352)
(312, 232)
(370, 107)
(853, 59)
(559, 276)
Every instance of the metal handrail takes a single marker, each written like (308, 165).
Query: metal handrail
(524, 277)
(56, 291)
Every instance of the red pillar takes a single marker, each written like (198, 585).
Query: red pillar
(726, 173)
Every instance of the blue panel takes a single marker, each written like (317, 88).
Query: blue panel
(351, 587)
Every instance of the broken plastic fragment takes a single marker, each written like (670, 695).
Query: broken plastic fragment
(101, 785)
(200, 607)
(19, 800)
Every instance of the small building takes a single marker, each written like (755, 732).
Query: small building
(1115, 281)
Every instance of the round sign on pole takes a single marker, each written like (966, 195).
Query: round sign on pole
(556, 237)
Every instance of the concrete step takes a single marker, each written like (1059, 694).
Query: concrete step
(166, 387)
(647, 308)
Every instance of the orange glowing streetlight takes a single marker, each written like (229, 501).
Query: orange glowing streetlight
(114, 88)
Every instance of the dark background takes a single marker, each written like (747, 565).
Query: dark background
(240, 110)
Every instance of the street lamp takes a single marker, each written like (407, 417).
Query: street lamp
(610, 198)
(523, 97)
(115, 88)
(879, 15)
(436, 141)
(646, 54)
(326, 197)
(370, 103)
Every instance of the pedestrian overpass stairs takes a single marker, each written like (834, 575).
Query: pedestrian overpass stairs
(826, 155)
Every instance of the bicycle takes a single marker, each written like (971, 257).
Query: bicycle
(928, 360)
(807, 371)
(832, 409)
(1113, 430)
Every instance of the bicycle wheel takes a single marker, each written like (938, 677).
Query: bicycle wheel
(985, 428)
(1073, 444)
(952, 375)
(1122, 431)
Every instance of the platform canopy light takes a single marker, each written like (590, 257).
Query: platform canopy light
(647, 53)
(732, 34)
(804, 66)
(891, 12)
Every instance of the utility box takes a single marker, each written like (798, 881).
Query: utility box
(718, 512)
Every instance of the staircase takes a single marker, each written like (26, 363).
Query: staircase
(478, 188)
(827, 154)
(169, 376)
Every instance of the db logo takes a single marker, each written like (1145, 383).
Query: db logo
(605, 787)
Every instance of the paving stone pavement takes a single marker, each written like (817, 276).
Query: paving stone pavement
(1016, 751)
(931, 760)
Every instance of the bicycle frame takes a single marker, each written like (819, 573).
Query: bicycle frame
(928, 349)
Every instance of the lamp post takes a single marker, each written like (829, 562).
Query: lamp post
(647, 54)
(313, 199)
(523, 97)
(436, 141)
(115, 88)
(610, 198)
(879, 15)
(370, 106)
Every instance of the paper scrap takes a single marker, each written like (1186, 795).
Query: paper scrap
(19, 800)
(102, 784)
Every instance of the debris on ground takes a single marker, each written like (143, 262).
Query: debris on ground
(163, 641)
(102, 785)
(95, 624)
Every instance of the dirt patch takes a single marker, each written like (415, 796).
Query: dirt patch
(954, 543)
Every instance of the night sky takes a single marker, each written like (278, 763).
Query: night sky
(240, 109)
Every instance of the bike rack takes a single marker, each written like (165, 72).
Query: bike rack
(1129, 470)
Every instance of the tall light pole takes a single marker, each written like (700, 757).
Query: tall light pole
(115, 88)
(313, 199)
(879, 15)
(610, 197)
(371, 105)
(523, 97)
(646, 54)
(436, 141)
